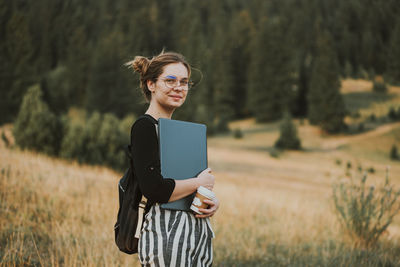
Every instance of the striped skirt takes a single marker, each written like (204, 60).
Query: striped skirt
(175, 238)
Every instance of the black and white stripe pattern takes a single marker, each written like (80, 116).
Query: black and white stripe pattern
(175, 238)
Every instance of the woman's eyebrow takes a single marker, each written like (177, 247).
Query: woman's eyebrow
(171, 76)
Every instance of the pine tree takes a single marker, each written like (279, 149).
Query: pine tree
(56, 90)
(288, 138)
(18, 72)
(190, 42)
(393, 62)
(73, 145)
(242, 30)
(270, 72)
(108, 88)
(219, 71)
(394, 153)
(111, 142)
(36, 127)
(326, 106)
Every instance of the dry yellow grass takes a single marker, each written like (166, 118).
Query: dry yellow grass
(65, 212)
(275, 211)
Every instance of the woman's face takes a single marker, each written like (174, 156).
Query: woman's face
(169, 98)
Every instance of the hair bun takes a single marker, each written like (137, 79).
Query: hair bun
(139, 64)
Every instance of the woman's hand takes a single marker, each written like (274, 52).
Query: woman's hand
(210, 211)
(206, 179)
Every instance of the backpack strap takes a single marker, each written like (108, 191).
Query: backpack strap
(143, 201)
(142, 206)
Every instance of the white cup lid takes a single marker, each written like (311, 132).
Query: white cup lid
(205, 192)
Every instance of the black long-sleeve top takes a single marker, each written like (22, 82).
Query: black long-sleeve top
(146, 162)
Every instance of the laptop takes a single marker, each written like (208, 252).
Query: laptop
(183, 154)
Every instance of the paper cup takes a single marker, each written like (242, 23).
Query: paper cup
(201, 194)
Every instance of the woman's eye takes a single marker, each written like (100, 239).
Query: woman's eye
(184, 82)
(170, 80)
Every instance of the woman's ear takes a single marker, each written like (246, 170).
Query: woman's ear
(151, 85)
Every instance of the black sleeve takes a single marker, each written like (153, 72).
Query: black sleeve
(146, 163)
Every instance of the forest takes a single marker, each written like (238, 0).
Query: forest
(250, 58)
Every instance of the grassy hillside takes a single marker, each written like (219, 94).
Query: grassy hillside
(274, 211)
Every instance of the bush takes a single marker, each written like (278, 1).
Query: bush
(288, 134)
(36, 127)
(100, 140)
(111, 142)
(237, 133)
(372, 117)
(73, 144)
(392, 114)
(274, 153)
(379, 85)
(5, 139)
(365, 211)
(393, 153)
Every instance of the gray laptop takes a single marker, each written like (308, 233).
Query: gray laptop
(183, 154)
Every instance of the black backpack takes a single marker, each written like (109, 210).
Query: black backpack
(132, 209)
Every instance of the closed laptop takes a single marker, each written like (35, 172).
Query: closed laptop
(183, 154)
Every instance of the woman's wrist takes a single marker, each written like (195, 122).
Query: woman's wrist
(197, 183)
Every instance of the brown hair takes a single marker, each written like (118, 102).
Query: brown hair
(151, 69)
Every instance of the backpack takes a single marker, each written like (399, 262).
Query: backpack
(132, 209)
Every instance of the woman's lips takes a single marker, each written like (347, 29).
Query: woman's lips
(176, 96)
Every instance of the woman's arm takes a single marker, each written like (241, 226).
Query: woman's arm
(186, 187)
(146, 163)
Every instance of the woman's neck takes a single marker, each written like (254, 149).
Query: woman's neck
(159, 112)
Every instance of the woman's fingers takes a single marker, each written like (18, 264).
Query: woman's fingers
(210, 211)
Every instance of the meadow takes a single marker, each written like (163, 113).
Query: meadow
(275, 211)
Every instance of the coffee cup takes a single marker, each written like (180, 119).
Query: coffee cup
(198, 201)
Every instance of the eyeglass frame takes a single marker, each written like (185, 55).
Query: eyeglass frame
(185, 87)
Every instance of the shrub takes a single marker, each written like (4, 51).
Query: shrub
(274, 153)
(237, 133)
(392, 114)
(393, 153)
(365, 211)
(288, 134)
(36, 127)
(73, 144)
(372, 117)
(348, 165)
(371, 170)
(5, 139)
(111, 142)
(379, 85)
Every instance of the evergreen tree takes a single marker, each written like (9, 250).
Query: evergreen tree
(111, 142)
(270, 72)
(393, 62)
(108, 89)
(394, 153)
(190, 41)
(93, 153)
(242, 30)
(78, 65)
(326, 106)
(288, 138)
(18, 53)
(56, 90)
(36, 127)
(222, 84)
(73, 145)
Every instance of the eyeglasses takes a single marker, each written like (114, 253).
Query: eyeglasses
(173, 82)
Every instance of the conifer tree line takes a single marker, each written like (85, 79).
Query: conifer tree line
(257, 58)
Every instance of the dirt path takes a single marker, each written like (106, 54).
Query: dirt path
(335, 142)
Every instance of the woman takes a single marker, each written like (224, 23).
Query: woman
(168, 237)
